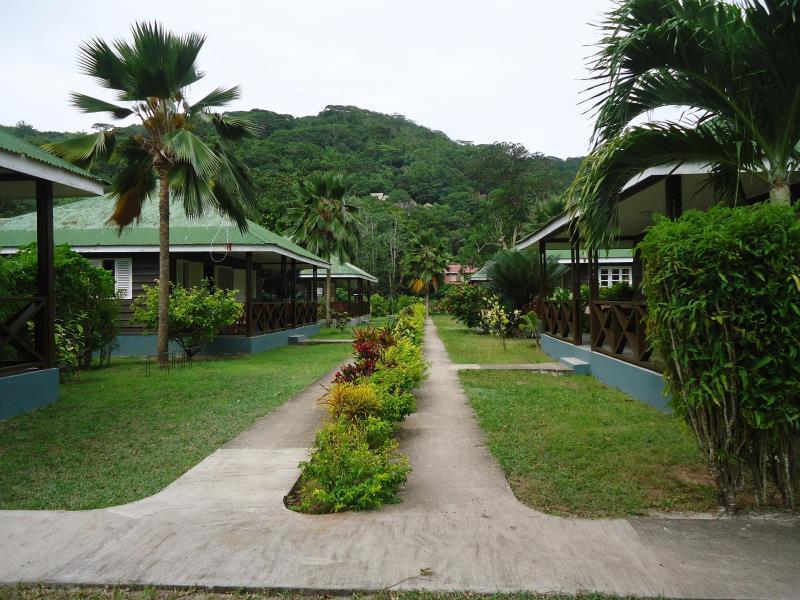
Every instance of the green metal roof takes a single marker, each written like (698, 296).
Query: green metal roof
(12, 143)
(482, 274)
(343, 270)
(84, 223)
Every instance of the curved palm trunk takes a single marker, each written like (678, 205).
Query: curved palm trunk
(163, 267)
(328, 298)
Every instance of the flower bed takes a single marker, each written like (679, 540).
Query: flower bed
(354, 463)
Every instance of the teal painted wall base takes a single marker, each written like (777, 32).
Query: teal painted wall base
(142, 345)
(642, 384)
(24, 392)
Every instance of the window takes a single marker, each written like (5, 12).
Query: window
(608, 276)
(122, 268)
(188, 273)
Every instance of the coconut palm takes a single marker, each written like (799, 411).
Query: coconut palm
(733, 69)
(515, 276)
(425, 261)
(150, 77)
(326, 223)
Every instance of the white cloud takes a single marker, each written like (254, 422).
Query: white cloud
(480, 71)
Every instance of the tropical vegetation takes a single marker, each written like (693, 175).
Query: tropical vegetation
(731, 70)
(196, 314)
(87, 307)
(326, 223)
(425, 262)
(723, 290)
(163, 155)
(354, 463)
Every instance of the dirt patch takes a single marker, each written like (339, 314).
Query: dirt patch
(693, 475)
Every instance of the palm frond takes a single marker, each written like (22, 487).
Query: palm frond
(85, 149)
(88, 104)
(97, 59)
(233, 128)
(218, 97)
(189, 148)
(133, 185)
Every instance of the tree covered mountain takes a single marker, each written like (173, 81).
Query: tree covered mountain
(477, 198)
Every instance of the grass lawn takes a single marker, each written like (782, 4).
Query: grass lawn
(570, 445)
(120, 435)
(469, 347)
(330, 333)
(120, 593)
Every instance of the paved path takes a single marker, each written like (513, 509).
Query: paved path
(224, 524)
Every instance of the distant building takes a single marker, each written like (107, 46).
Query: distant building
(456, 274)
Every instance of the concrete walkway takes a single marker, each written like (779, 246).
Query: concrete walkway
(224, 524)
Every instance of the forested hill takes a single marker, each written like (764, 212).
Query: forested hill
(479, 198)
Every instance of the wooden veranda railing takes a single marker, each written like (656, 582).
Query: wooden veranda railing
(618, 330)
(266, 317)
(558, 320)
(18, 351)
(354, 308)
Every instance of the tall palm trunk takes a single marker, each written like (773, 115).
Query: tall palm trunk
(163, 266)
(328, 298)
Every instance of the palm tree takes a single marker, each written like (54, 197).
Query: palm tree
(733, 69)
(515, 276)
(326, 223)
(426, 262)
(150, 77)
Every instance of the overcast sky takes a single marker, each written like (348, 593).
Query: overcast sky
(481, 71)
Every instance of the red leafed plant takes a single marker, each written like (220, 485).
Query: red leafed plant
(367, 349)
(351, 373)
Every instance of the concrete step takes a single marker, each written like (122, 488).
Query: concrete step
(576, 365)
(297, 339)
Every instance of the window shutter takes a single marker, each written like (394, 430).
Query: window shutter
(195, 273)
(123, 275)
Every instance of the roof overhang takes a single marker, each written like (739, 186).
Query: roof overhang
(544, 232)
(369, 278)
(215, 249)
(65, 184)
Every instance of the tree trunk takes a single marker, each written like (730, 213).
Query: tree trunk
(779, 192)
(328, 298)
(163, 267)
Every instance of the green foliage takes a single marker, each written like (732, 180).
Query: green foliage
(515, 276)
(465, 303)
(69, 347)
(196, 314)
(355, 465)
(87, 305)
(425, 263)
(529, 324)
(723, 290)
(495, 321)
(346, 473)
(403, 301)
(729, 64)
(378, 306)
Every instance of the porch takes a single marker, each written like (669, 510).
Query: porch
(28, 371)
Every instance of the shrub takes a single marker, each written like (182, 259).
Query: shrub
(355, 464)
(495, 321)
(341, 320)
(196, 314)
(723, 290)
(352, 402)
(378, 306)
(87, 304)
(465, 303)
(529, 325)
(404, 301)
(346, 473)
(514, 276)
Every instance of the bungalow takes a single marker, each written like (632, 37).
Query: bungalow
(455, 273)
(28, 373)
(354, 283)
(262, 266)
(604, 336)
